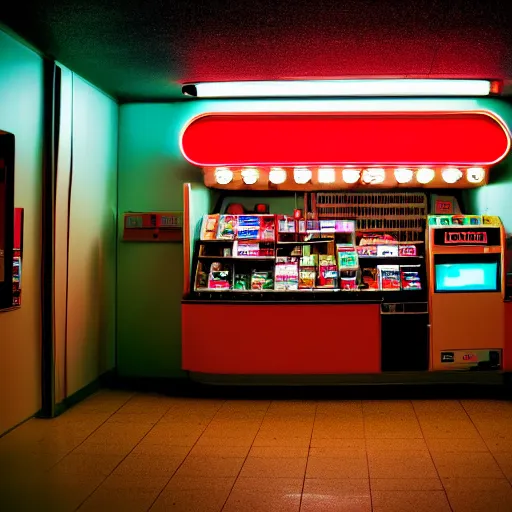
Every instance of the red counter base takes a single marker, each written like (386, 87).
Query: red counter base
(280, 339)
(507, 350)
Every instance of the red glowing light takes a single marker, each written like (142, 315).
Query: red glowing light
(383, 138)
(496, 87)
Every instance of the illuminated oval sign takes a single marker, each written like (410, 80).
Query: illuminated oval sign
(383, 138)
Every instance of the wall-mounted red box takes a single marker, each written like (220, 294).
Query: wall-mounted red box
(153, 227)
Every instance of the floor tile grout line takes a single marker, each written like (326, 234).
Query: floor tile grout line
(431, 456)
(246, 457)
(485, 443)
(47, 470)
(217, 413)
(89, 435)
(366, 453)
(307, 459)
(184, 458)
(124, 458)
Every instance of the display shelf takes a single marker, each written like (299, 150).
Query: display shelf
(416, 229)
(340, 271)
(229, 290)
(227, 241)
(388, 258)
(414, 242)
(401, 213)
(236, 257)
(323, 241)
(305, 290)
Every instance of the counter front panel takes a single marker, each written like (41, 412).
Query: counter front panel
(281, 338)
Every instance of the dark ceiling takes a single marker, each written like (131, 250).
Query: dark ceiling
(143, 50)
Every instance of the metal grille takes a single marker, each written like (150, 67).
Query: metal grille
(402, 214)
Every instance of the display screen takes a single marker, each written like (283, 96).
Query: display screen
(467, 277)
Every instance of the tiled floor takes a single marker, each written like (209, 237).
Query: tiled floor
(136, 452)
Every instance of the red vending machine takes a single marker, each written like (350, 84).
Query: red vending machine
(17, 256)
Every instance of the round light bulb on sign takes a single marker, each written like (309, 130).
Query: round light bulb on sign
(223, 175)
(425, 175)
(302, 175)
(451, 175)
(475, 174)
(277, 176)
(374, 176)
(351, 176)
(250, 175)
(403, 175)
(326, 175)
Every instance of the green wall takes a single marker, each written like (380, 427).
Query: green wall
(151, 174)
(85, 261)
(496, 197)
(85, 270)
(92, 240)
(21, 110)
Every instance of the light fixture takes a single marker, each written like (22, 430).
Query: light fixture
(351, 175)
(373, 176)
(451, 175)
(302, 175)
(334, 88)
(277, 175)
(475, 174)
(250, 175)
(223, 175)
(326, 175)
(425, 175)
(403, 175)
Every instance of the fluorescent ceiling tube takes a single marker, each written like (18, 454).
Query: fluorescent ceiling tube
(333, 88)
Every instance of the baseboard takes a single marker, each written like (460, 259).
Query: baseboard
(105, 380)
(486, 386)
(164, 385)
(18, 425)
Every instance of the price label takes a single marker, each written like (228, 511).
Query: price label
(444, 207)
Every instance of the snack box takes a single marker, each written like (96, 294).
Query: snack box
(219, 280)
(307, 278)
(389, 277)
(407, 250)
(387, 250)
(262, 281)
(367, 250)
(227, 227)
(209, 227)
(410, 277)
(248, 227)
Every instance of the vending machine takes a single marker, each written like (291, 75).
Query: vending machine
(466, 292)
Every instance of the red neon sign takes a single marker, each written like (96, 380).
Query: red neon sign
(465, 237)
(383, 138)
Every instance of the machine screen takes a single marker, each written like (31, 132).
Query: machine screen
(467, 277)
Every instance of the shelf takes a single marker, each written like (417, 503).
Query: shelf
(392, 243)
(323, 241)
(392, 230)
(389, 291)
(255, 240)
(230, 290)
(362, 257)
(367, 205)
(237, 257)
(244, 240)
(303, 290)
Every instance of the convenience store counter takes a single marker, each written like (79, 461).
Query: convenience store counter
(281, 337)
(507, 359)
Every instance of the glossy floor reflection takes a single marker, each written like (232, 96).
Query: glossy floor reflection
(138, 452)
